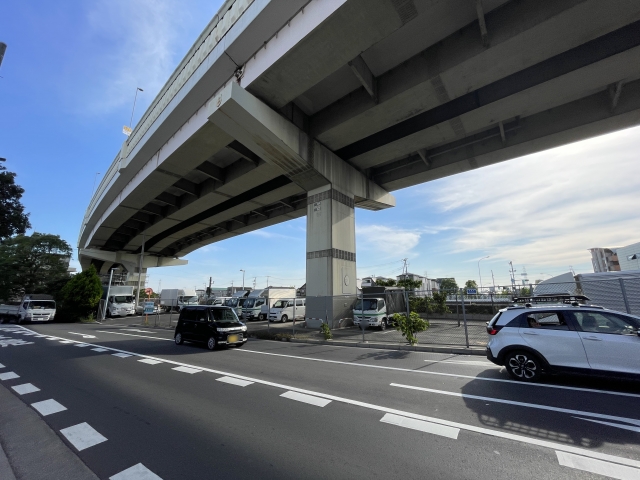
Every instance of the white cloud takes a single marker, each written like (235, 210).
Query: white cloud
(548, 208)
(386, 241)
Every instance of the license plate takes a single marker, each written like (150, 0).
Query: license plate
(233, 338)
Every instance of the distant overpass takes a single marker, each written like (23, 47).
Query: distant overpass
(283, 109)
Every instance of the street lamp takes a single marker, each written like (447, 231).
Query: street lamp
(93, 189)
(138, 89)
(479, 274)
(242, 278)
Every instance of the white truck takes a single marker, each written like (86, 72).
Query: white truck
(377, 306)
(176, 298)
(120, 302)
(237, 301)
(31, 308)
(260, 302)
(283, 310)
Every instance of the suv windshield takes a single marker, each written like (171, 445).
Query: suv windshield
(369, 304)
(223, 315)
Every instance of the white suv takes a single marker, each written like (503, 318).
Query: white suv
(529, 340)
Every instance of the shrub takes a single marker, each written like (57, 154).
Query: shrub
(435, 304)
(81, 294)
(326, 331)
(410, 326)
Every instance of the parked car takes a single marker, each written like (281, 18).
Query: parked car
(282, 310)
(214, 326)
(586, 339)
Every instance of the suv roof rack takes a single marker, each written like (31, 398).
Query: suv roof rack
(573, 300)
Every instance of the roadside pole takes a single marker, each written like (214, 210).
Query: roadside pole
(294, 317)
(464, 319)
(106, 300)
(140, 272)
(457, 309)
(362, 320)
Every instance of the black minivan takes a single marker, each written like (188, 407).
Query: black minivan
(211, 325)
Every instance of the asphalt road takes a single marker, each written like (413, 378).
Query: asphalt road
(281, 410)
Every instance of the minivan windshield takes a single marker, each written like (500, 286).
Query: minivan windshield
(231, 302)
(42, 304)
(223, 315)
(369, 304)
(249, 303)
(281, 304)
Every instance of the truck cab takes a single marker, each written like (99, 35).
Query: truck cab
(371, 312)
(32, 308)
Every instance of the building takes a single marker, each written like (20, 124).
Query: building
(629, 257)
(428, 284)
(605, 260)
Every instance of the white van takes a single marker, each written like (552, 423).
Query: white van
(260, 310)
(283, 310)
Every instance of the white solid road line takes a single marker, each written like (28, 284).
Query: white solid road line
(234, 381)
(470, 363)
(592, 465)
(132, 335)
(379, 408)
(48, 407)
(611, 424)
(25, 388)
(191, 370)
(632, 421)
(426, 372)
(83, 335)
(82, 436)
(420, 425)
(121, 355)
(136, 330)
(137, 472)
(9, 376)
(150, 362)
(304, 398)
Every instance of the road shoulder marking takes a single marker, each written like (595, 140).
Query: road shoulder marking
(421, 426)
(121, 355)
(9, 376)
(137, 472)
(191, 370)
(25, 388)
(82, 436)
(304, 398)
(48, 407)
(150, 361)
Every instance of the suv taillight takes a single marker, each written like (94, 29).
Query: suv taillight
(493, 329)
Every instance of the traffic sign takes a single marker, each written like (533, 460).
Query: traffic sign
(472, 291)
(148, 308)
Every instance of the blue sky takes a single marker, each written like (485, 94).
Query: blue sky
(69, 77)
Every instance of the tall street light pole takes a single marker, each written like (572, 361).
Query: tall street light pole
(479, 274)
(93, 189)
(138, 89)
(242, 278)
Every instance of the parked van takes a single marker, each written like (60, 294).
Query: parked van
(260, 310)
(237, 301)
(378, 305)
(283, 310)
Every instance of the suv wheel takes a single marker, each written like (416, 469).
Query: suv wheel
(523, 366)
(212, 343)
(178, 339)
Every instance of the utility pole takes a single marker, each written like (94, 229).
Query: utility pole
(268, 281)
(512, 272)
(493, 280)
(3, 48)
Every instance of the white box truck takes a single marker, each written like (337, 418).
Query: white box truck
(176, 298)
(31, 308)
(260, 302)
(120, 302)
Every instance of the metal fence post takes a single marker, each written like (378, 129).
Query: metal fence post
(464, 319)
(457, 309)
(294, 317)
(624, 295)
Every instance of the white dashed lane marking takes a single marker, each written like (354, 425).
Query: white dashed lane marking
(187, 369)
(137, 472)
(48, 407)
(304, 398)
(421, 426)
(150, 361)
(100, 349)
(234, 381)
(82, 436)
(25, 388)
(9, 376)
(608, 469)
(121, 355)
(82, 345)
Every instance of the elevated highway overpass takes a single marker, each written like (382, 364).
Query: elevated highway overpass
(283, 109)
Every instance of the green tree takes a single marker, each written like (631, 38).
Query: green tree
(409, 284)
(525, 292)
(449, 285)
(33, 264)
(81, 294)
(470, 284)
(13, 220)
(386, 283)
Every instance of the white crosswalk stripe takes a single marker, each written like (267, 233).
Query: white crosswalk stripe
(25, 388)
(48, 407)
(82, 436)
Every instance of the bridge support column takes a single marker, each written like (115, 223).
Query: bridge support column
(331, 257)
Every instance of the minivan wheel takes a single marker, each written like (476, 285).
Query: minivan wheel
(212, 343)
(178, 339)
(523, 366)
(284, 319)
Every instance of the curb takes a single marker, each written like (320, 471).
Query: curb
(387, 346)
